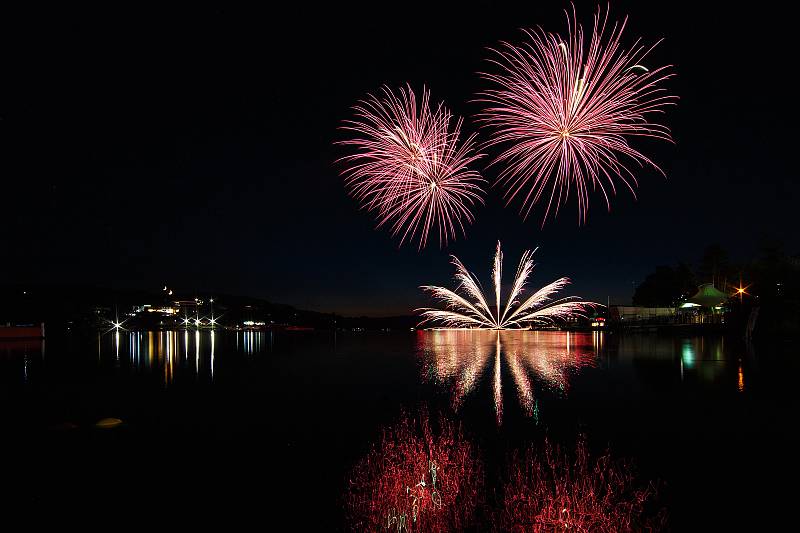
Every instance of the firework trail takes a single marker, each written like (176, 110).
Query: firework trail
(473, 311)
(408, 168)
(563, 113)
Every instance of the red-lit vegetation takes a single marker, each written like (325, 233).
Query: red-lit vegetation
(426, 476)
(418, 478)
(548, 489)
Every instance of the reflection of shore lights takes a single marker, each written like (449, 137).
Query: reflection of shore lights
(688, 355)
(740, 384)
(212, 355)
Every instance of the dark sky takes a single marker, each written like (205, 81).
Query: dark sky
(194, 148)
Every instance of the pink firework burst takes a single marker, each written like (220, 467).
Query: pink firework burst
(563, 113)
(408, 167)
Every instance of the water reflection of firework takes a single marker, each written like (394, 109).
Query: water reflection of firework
(458, 359)
(419, 478)
(547, 489)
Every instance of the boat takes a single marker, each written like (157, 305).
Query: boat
(24, 331)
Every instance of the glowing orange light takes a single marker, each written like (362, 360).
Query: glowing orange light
(741, 291)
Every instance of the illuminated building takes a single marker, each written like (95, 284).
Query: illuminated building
(704, 307)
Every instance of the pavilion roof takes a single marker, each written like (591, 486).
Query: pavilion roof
(708, 296)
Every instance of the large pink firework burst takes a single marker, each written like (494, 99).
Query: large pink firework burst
(564, 113)
(408, 167)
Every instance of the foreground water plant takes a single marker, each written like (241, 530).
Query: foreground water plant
(550, 489)
(417, 478)
(426, 474)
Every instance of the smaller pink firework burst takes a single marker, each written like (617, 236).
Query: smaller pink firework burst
(408, 167)
(564, 110)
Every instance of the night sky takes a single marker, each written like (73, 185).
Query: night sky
(194, 148)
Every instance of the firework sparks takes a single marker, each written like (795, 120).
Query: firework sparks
(408, 167)
(564, 113)
(473, 311)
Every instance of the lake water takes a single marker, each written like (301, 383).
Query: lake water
(264, 428)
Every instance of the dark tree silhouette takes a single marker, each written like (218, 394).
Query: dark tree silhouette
(665, 287)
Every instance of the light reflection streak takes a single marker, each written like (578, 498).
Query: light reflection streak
(150, 349)
(498, 385)
(252, 341)
(166, 353)
(212, 355)
(740, 383)
(168, 370)
(450, 362)
(524, 389)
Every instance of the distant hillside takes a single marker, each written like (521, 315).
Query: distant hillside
(85, 306)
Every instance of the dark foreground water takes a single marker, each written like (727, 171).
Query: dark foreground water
(262, 428)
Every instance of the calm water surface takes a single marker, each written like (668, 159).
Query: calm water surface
(260, 426)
